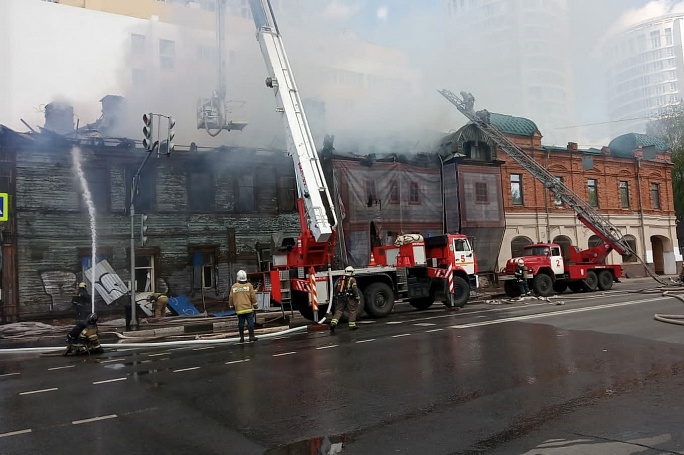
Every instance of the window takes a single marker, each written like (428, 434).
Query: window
(394, 192)
(557, 201)
(144, 272)
(414, 193)
(286, 194)
(624, 194)
(592, 192)
(631, 241)
(245, 193)
(137, 44)
(144, 197)
(98, 185)
(481, 193)
(655, 196)
(516, 189)
(167, 54)
(371, 195)
(204, 267)
(200, 192)
(517, 245)
(138, 77)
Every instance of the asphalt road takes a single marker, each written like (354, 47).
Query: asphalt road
(583, 373)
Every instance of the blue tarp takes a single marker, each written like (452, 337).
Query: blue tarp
(183, 307)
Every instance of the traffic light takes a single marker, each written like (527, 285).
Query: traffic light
(148, 142)
(169, 143)
(143, 230)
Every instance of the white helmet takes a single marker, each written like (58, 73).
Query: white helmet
(349, 270)
(521, 262)
(241, 275)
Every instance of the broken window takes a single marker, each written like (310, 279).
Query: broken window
(200, 192)
(204, 267)
(98, 185)
(144, 272)
(245, 193)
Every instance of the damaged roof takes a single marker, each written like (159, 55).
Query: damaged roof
(518, 126)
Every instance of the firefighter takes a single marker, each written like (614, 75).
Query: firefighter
(160, 301)
(81, 301)
(83, 337)
(243, 300)
(521, 276)
(348, 297)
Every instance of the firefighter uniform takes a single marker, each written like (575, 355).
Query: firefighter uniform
(160, 301)
(347, 297)
(80, 302)
(243, 299)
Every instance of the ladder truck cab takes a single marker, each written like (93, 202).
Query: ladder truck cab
(548, 271)
(441, 267)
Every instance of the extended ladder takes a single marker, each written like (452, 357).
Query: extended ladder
(591, 218)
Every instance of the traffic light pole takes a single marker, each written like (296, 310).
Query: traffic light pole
(134, 188)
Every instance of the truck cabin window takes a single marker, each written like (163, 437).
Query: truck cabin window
(537, 251)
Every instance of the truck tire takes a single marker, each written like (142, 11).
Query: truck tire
(605, 280)
(379, 300)
(461, 292)
(422, 303)
(542, 285)
(560, 286)
(590, 283)
(511, 288)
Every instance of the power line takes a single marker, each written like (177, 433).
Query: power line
(601, 123)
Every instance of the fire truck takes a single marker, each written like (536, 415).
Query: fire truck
(421, 270)
(549, 268)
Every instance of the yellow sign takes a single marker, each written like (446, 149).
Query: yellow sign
(4, 206)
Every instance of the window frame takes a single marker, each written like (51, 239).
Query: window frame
(414, 192)
(623, 186)
(592, 190)
(393, 196)
(655, 196)
(520, 200)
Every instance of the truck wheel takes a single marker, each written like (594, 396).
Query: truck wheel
(461, 292)
(422, 303)
(590, 283)
(511, 288)
(542, 285)
(379, 300)
(605, 280)
(560, 286)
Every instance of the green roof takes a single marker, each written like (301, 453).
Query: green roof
(625, 145)
(518, 126)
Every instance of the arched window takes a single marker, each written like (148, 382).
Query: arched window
(564, 242)
(631, 241)
(517, 245)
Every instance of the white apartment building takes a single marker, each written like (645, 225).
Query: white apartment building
(644, 72)
(514, 57)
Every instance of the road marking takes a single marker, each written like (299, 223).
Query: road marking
(237, 361)
(39, 391)
(109, 380)
(94, 419)
(185, 369)
(425, 324)
(61, 368)
(394, 322)
(433, 330)
(556, 313)
(14, 433)
(161, 353)
(8, 374)
(203, 348)
(366, 341)
(112, 360)
(284, 353)
(327, 347)
(401, 335)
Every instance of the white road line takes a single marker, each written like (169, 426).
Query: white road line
(327, 347)
(109, 380)
(556, 313)
(425, 324)
(401, 335)
(112, 360)
(160, 353)
(284, 353)
(8, 374)
(61, 368)
(94, 419)
(237, 361)
(185, 369)
(433, 330)
(39, 391)
(14, 433)
(394, 322)
(203, 348)
(366, 341)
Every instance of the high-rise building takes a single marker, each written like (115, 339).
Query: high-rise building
(644, 72)
(514, 57)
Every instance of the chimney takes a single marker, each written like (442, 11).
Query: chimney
(572, 146)
(112, 111)
(59, 117)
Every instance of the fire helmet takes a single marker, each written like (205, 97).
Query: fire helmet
(521, 262)
(91, 319)
(241, 275)
(349, 270)
(82, 285)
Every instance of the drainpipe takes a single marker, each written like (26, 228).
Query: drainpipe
(546, 204)
(641, 208)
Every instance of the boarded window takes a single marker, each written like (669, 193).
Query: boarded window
(200, 192)
(481, 194)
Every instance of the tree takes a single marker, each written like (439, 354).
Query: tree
(669, 127)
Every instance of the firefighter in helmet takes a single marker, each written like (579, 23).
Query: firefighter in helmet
(521, 277)
(160, 301)
(243, 299)
(348, 298)
(80, 301)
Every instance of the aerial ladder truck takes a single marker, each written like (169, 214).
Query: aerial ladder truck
(548, 269)
(422, 270)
